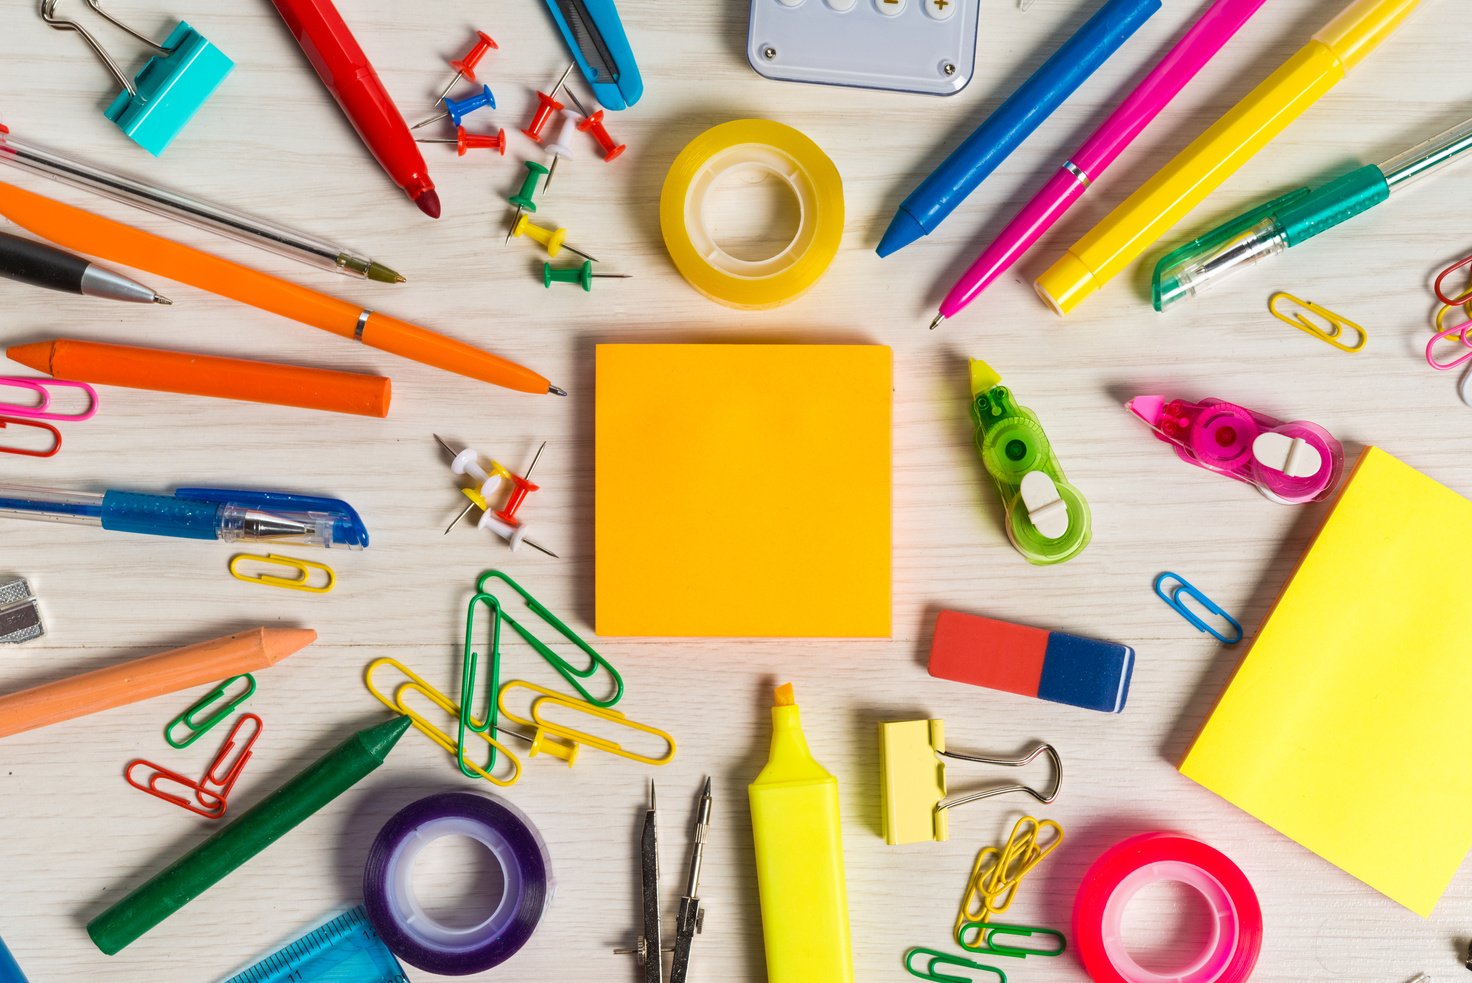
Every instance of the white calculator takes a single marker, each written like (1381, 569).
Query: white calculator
(926, 46)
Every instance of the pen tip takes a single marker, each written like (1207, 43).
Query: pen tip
(161, 299)
(429, 203)
(706, 790)
(554, 391)
(936, 322)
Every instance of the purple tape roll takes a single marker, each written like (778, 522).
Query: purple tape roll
(410, 933)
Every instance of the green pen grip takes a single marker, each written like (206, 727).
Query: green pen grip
(1335, 203)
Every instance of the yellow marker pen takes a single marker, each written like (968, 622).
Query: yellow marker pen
(799, 858)
(1218, 153)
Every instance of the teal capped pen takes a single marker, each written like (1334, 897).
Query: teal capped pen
(1299, 216)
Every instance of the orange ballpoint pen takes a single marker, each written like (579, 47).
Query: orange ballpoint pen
(84, 232)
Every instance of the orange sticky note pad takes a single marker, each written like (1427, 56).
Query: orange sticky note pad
(743, 490)
(1346, 726)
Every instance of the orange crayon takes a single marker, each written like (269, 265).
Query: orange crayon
(154, 675)
(207, 375)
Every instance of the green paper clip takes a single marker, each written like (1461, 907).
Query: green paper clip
(1047, 518)
(470, 661)
(573, 676)
(198, 728)
(986, 944)
(935, 959)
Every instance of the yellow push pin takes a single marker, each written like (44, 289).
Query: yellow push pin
(553, 239)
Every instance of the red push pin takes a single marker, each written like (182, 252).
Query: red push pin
(546, 106)
(594, 124)
(465, 67)
(472, 141)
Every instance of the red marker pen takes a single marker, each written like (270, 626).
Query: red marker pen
(349, 76)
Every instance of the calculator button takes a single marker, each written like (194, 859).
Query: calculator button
(890, 8)
(940, 9)
(842, 6)
(790, 3)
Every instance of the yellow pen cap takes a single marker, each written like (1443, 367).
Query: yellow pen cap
(799, 859)
(1360, 29)
(1248, 127)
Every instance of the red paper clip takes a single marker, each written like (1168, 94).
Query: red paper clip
(217, 784)
(211, 805)
(6, 421)
(1461, 298)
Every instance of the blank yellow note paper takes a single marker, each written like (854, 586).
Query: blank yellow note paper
(1346, 727)
(743, 490)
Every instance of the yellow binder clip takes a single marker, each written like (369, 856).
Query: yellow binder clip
(414, 683)
(1332, 331)
(302, 581)
(563, 741)
(913, 787)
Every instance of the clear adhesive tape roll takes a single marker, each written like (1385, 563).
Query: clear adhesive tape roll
(754, 148)
(1234, 938)
(413, 934)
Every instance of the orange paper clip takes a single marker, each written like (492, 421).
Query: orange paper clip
(6, 421)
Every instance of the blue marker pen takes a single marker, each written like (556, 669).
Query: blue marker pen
(1014, 121)
(223, 514)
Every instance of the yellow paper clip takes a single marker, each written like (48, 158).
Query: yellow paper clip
(416, 684)
(303, 567)
(912, 767)
(1332, 333)
(998, 870)
(562, 741)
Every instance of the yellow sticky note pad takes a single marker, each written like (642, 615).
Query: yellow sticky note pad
(1346, 727)
(743, 490)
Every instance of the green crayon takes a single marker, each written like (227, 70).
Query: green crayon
(257, 828)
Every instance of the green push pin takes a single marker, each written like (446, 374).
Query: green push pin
(523, 198)
(576, 274)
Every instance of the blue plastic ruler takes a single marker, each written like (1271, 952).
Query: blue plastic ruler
(344, 950)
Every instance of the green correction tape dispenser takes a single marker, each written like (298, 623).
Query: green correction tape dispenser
(1047, 518)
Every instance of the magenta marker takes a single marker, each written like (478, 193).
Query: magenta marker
(1200, 44)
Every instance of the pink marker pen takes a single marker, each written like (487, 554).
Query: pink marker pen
(1199, 45)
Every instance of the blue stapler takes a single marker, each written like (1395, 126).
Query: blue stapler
(599, 46)
(184, 71)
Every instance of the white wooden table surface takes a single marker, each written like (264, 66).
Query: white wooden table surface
(74, 837)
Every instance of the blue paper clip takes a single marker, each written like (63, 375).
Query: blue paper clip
(169, 89)
(935, 960)
(1184, 586)
(596, 38)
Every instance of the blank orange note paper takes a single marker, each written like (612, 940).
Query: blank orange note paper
(743, 490)
(1346, 726)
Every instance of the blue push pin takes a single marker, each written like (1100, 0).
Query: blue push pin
(458, 109)
(170, 88)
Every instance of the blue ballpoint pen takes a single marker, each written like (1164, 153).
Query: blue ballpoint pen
(223, 514)
(991, 143)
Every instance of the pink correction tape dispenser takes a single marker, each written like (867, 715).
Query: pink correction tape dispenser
(1125, 869)
(1291, 463)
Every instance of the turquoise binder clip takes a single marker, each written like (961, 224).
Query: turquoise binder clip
(184, 71)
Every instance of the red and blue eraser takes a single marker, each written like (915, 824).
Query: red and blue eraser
(1046, 665)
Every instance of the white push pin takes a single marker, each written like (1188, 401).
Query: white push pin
(562, 146)
(503, 522)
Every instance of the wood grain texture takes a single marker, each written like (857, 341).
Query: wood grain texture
(75, 836)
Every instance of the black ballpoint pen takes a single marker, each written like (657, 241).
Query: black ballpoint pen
(43, 265)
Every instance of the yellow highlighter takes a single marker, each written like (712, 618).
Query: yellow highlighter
(799, 858)
(1218, 153)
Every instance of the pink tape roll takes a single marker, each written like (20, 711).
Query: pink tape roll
(1150, 858)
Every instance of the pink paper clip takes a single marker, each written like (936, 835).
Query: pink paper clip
(6, 421)
(1463, 330)
(211, 805)
(219, 785)
(42, 388)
